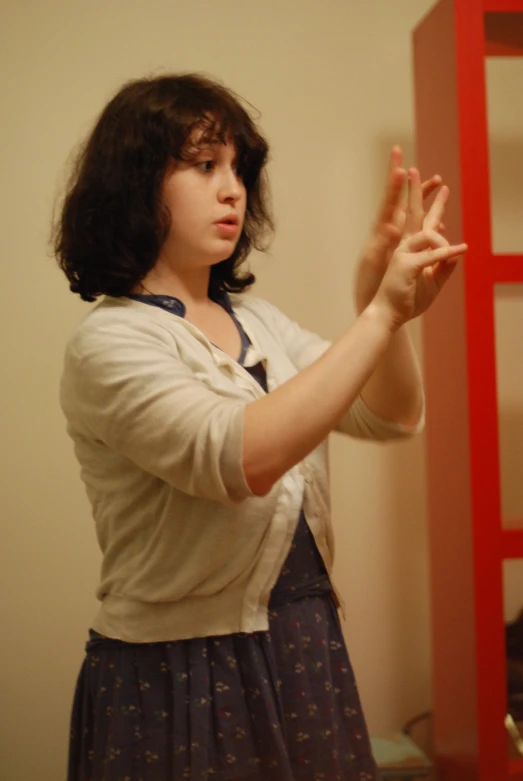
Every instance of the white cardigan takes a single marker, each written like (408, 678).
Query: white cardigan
(156, 416)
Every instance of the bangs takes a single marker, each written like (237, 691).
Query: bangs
(220, 124)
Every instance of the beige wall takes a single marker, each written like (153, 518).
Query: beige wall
(504, 79)
(333, 83)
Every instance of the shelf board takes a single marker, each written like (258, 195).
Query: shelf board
(512, 542)
(508, 268)
(502, 6)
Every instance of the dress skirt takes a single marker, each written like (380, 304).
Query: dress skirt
(280, 705)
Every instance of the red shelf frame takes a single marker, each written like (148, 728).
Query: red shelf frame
(503, 33)
(508, 269)
(468, 544)
(499, 6)
(512, 542)
(515, 769)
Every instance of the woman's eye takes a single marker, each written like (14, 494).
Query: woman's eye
(205, 165)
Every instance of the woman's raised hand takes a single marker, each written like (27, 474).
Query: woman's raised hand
(387, 230)
(422, 261)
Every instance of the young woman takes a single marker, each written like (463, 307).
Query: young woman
(199, 416)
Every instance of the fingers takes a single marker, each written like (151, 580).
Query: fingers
(425, 239)
(395, 180)
(433, 220)
(415, 214)
(428, 187)
(428, 248)
(396, 158)
(430, 257)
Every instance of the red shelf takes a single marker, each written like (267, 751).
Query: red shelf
(502, 6)
(504, 34)
(515, 768)
(512, 542)
(467, 542)
(508, 268)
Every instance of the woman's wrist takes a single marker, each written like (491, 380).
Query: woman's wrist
(381, 316)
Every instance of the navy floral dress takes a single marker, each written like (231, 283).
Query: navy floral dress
(280, 705)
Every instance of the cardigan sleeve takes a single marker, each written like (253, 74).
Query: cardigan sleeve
(303, 347)
(127, 387)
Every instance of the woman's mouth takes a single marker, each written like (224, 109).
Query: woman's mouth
(228, 228)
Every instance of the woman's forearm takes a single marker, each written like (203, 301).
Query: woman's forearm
(283, 427)
(395, 389)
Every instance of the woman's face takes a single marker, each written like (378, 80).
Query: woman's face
(202, 195)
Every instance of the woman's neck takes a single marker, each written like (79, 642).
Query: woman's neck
(191, 288)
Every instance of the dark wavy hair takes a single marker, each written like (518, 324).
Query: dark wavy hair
(111, 224)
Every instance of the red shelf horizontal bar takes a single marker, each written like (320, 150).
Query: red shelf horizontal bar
(512, 541)
(515, 768)
(508, 268)
(502, 6)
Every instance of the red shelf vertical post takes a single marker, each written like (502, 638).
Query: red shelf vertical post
(467, 545)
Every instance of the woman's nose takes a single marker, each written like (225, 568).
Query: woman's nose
(231, 188)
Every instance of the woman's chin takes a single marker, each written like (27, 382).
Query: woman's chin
(223, 253)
